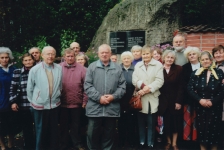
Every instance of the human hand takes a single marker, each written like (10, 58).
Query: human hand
(141, 92)
(109, 97)
(83, 105)
(103, 100)
(203, 102)
(209, 103)
(14, 107)
(177, 106)
(146, 89)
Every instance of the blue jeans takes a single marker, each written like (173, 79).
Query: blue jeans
(146, 120)
(46, 127)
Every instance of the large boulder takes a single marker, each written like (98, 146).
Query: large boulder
(159, 18)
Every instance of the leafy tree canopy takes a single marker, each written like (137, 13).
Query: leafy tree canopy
(28, 23)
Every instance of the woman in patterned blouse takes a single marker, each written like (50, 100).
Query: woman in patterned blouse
(206, 89)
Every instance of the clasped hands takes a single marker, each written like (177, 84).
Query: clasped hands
(106, 99)
(206, 102)
(144, 91)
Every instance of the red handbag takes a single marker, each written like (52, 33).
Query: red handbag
(135, 102)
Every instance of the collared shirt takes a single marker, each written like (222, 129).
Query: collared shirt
(6, 69)
(105, 67)
(195, 66)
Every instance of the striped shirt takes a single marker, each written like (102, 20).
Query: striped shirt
(19, 97)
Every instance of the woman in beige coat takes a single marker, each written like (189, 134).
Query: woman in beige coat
(148, 78)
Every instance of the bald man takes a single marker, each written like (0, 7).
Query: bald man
(75, 46)
(35, 51)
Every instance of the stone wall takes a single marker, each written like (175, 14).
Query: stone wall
(159, 18)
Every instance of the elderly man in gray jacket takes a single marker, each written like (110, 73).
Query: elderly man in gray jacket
(105, 85)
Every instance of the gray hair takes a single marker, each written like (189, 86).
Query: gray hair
(190, 49)
(166, 52)
(183, 35)
(105, 45)
(127, 53)
(67, 51)
(206, 53)
(35, 48)
(136, 47)
(6, 50)
(46, 48)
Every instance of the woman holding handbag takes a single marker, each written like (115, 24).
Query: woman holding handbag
(19, 102)
(148, 79)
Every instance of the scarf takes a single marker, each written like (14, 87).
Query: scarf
(211, 68)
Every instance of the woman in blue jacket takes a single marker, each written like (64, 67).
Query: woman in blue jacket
(6, 71)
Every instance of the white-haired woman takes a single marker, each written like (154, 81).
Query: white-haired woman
(189, 129)
(6, 72)
(170, 100)
(148, 78)
(136, 51)
(207, 90)
(128, 119)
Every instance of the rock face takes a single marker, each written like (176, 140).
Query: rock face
(159, 18)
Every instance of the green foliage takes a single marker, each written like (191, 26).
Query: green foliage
(92, 55)
(66, 38)
(55, 23)
(195, 12)
(17, 61)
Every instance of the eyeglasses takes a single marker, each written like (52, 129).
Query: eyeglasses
(50, 54)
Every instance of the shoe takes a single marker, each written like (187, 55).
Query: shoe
(150, 147)
(167, 147)
(175, 147)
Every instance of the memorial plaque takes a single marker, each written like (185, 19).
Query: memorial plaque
(123, 41)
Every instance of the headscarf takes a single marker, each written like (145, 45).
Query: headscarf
(211, 68)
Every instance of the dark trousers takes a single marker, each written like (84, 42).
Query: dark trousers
(94, 132)
(70, 120)
(27, 127)
(46, 127)
(127, 128)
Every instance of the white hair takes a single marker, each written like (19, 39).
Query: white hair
(35, 48)
(104, 45)
(166, 52)
(190, 49)
(136, 47)
(6, 50)
(127, 53)
(183, 35)
(47, 48)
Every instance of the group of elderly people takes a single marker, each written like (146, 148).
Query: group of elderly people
(13, 94)
(187, 97)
